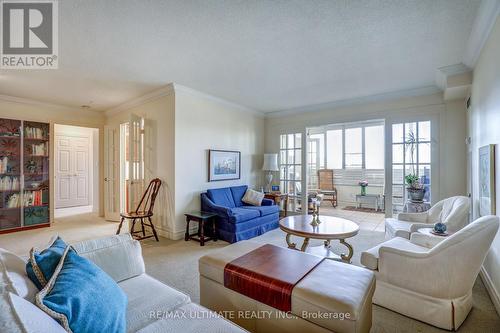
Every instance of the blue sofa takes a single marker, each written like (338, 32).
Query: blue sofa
(236, 220)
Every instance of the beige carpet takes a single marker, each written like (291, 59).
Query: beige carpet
(176, 263)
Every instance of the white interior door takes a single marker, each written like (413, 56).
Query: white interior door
(72, 171)
(136, 163)
(111, 173)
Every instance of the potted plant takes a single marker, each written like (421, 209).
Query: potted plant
(415, 188)
(364, 185)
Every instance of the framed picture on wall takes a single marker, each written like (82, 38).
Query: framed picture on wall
(223, 165)
(487, 193)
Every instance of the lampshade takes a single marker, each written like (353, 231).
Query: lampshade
(270, 162)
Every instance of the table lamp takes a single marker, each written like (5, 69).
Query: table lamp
(270, 164)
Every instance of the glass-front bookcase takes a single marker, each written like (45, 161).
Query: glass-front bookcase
(24, 174)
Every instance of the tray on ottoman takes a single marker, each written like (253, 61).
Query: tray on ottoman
(333, 296)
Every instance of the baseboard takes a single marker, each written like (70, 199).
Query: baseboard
(490, 287)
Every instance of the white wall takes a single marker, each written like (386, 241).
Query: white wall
(484, 122)
(449, 135)
(16, 108)
(203, 123)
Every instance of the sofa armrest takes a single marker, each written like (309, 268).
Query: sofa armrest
(415, 226)
(267, 202)
(413, 217)
(208, 206)
(119, 256)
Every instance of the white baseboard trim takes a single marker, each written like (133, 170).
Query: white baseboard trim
(490, 287)
(173, 235)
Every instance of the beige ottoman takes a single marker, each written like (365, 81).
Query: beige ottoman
(333, 297)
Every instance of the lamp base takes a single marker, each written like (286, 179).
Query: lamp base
(269, 179)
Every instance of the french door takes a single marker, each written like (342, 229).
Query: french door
(111, 173)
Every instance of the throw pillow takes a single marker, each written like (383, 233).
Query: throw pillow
(17, 315)
(82, 297)
(41, 265)
(13, 276)
(253, 198)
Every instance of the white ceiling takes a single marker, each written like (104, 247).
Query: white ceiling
(266, 55)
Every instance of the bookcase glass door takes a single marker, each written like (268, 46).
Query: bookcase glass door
(10, 174)
(36, 173)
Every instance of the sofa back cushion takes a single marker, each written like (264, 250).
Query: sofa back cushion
(221, 197)
(119, 256)
(238, 192)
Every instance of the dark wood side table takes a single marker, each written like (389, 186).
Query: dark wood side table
(201, 218)
(278, 198)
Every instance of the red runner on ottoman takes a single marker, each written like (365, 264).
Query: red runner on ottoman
(268, 274)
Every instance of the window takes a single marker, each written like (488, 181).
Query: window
(355, 147)
(411, 154)
(290, 163)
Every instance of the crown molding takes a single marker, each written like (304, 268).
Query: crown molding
(22, 100)
(193, 92)
(151, 96)
(485, 19)
(427, 90)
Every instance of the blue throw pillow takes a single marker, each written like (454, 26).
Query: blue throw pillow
(41, 266)
(83, 298)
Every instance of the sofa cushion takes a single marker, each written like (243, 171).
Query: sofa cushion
(238, 192)
(41, 265)
(397, 228)
(221, 197)
(253, 198)
(146, 294)
(265, 210)
(120, 256)
(13, 276)
(17, 315)
(369, 258)
(240, 214)
(82, 297)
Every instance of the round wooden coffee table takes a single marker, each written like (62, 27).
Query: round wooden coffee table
(325, 228)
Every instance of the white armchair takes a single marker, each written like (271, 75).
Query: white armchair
(431, 279)
(452, 211)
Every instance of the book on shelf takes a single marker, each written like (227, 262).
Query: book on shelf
(12, 201)
(8, 183)
(34, 198)
(34, 133)
(39, 149)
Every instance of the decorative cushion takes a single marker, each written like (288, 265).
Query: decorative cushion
(17, 315)
(253, 198)
(82, 297)
(238, 193)
(13, 276)
(242, 214)
(221, 197)
(41, 266)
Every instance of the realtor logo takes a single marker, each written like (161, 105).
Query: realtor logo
(29, 34)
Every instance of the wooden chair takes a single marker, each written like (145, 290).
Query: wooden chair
(326, 187)
(143, 211)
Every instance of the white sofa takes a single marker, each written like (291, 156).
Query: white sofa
(152, 305)
(453, 211)
(430, 278)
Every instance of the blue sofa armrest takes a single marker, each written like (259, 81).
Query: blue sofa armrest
(267, 202)
(208, 206)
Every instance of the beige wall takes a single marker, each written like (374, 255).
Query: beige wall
(159, 114)
(449, 117)
(203, 123)
(484, 122)
(29, 110)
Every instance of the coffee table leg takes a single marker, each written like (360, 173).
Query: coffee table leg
(351, 252)
(304, 245)
(289, 243)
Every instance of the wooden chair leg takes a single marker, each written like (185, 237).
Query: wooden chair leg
(153, 229)
(132, 228)
(120, 226)
(142, 226)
